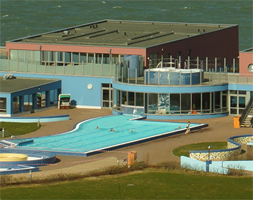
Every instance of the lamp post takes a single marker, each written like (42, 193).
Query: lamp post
(208, 161)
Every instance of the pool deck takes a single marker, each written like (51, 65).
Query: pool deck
(153, 152)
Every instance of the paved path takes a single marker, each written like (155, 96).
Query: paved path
(219, 129)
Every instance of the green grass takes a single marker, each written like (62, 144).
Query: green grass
(184, 150)
(151, 185)
(13, 128)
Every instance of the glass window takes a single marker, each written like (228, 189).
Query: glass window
(164, 101)
(98, 58)
(152, 103)
(233, 101)
(206, 102)
(90, 57)
(185, 102)
(60, 56)
(3, 105)
(233, 91)
(67, 57)
(75, 57)
(242, 102)
(131, 98)
(106, 59)
(15, 104)
(82, 57)
(196, 101)
(242, 92)
(106, 94)
(174, 103)
(217, 106)
(123, 98)
(139, 99)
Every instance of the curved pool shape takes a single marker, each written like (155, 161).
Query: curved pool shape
(86, 139)
(9, 157)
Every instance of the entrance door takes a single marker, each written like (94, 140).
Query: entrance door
(107, 95)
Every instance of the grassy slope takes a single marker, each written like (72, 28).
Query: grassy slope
(140, 186)
(184, 150)
(13, 128)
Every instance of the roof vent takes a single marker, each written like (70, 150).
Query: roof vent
(9, 76)
(65, 32)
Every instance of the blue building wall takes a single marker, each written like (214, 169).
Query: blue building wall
(241, 87)
(77, 87)
(169, 89)
(8, 102)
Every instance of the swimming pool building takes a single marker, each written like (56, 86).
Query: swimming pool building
(162, 70)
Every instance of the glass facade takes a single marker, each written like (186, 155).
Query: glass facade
(170, 104)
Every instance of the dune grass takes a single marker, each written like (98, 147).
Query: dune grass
(16, 129)
(184, 150)
(148, 185)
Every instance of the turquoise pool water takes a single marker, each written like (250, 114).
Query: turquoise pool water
(85, 137)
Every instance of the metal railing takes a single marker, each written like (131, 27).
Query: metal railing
(246, 111)
(87, 69)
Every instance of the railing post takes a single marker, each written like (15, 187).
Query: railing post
(220, 76)
(188, 62)
(169, 77)
(180, 78)
(135, 76)
(83, 67)
(92, 67)
(209, 76)
(17, 65)
(197, 62)
(206, 64)
(233, 65)
(225, 63)
(215, 64)
(190, 77)
(148, 76)
(158, 80)
(200, 81)
(122, 69)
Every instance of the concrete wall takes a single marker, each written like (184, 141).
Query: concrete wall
(233, 147)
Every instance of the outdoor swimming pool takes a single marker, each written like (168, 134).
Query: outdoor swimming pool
(86, 139)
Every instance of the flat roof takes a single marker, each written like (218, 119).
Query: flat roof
(122, 33)
(18, 83)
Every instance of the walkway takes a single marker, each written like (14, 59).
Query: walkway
(220, 129)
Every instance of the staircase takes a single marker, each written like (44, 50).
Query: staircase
(246, 119)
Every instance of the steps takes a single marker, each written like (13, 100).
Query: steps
(247, 122)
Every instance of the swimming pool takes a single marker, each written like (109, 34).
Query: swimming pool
(86, 139)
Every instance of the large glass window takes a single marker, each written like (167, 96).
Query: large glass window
(217, 102)
(15, 104)
(123, 98)
(174, 103)
(196, 102)
(83, 57)
(139, 99)
(131, 99)
(206, 105)
(185, 103)
(90, 57)
(152, 103)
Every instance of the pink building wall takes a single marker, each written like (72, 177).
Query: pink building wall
(245, 58)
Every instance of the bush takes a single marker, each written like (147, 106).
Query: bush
(172, 165)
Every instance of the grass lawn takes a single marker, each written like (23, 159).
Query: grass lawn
(184, 150)
(13, 128)
(150, 185)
